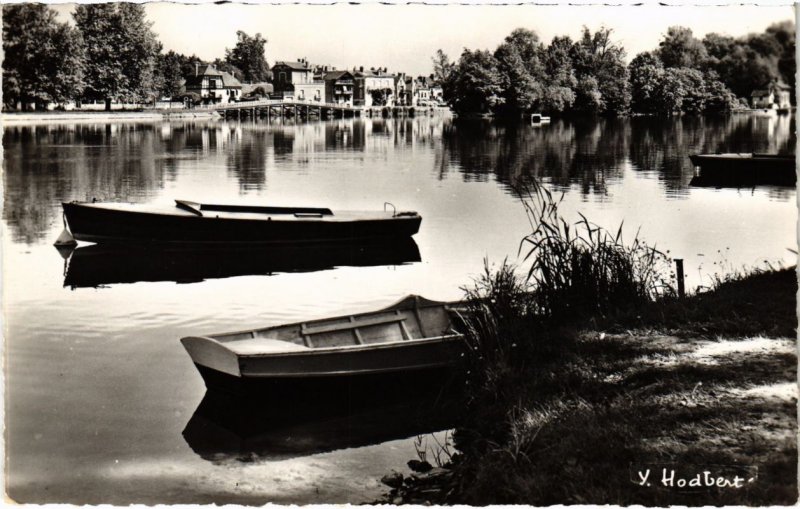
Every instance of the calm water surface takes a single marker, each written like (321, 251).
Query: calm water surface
(98, 389)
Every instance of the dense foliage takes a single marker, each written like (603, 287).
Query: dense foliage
(248, 58)
(43, 59)
(589, 76)
(121, 52)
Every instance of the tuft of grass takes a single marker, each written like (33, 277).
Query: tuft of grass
(582, 270)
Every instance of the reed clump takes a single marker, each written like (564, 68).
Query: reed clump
(521, 325)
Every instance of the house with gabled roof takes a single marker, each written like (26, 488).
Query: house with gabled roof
(776, 96)
(214, 85)
(339, 87)
(286, 74)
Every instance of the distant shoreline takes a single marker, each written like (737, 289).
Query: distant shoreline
(95, 116)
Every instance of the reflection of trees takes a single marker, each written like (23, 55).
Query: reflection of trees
(582, 154)
(663, 146)
(45, 165)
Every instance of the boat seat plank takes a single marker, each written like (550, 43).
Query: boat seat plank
(263, 345)
(194, 208)
(320, 329)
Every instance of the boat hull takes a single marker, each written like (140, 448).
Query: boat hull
(754, 163)
(384, 363)
(92, 223)
(344, 388)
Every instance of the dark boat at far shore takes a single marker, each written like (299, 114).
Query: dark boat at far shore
(744, 161)
(197, 223)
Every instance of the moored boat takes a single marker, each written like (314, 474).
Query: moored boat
(199, 223)
(410, 339)
(744, 162)
(538, 118)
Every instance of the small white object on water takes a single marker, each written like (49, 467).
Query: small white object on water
(65, 239)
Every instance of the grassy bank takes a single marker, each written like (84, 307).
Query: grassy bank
(591, 382)
(703, 384)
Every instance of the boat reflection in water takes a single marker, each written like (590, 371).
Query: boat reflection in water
(227, 427)
(739, 180)
(103, 264)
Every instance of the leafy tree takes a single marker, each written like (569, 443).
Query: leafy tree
(442, 68)
(121, 51)
(680, 48)
(588, 97)
(646, 71)
(189, 65)
(43, 59)
(519, 62)
(784, 34)
(560, 81)
(670, 92)
(595, 56)
(719, 98)
(169, 69)
(249, 56)
(476, 83)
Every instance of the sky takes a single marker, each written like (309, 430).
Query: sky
(405, 37)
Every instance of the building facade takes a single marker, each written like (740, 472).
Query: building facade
(776, 96)
(286, 74)
(339, 87)
(214, 85)
(374, 87)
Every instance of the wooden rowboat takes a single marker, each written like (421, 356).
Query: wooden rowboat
(190, 222)
(744, 161)
(413, 336)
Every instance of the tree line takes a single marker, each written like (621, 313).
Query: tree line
(589, 76)
(110, 54)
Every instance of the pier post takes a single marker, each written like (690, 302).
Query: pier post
(679, 275)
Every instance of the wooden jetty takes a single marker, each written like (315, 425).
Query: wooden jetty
(277, 108)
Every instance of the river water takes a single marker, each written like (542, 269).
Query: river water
(102, 403)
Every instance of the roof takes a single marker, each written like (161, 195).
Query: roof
(335, 75)
(373, 74)
(295, 66)
(228, 80)
(775, 86)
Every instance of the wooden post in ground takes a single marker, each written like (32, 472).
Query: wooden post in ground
(679, 275)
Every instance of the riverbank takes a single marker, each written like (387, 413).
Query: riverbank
(641, 407)
(104, 116)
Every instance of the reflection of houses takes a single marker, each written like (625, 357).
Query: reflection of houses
(374, 87)
(215, 85)
(776, 96)
(339, 87)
